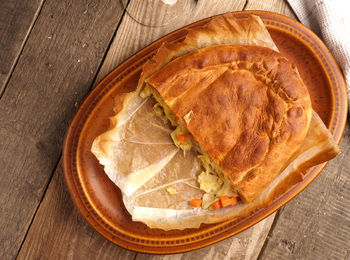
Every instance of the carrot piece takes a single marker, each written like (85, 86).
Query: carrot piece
(234, 200)
(227, 201)
(217, 204)
(182, 138)
(196, 203)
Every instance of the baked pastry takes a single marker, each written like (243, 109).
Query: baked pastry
(139, 155)
(245, 107)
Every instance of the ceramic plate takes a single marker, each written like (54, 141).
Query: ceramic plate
(99, 200)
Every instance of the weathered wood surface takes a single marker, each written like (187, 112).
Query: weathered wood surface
(276, 6)
(16, 21)
(54, 72)
(60, 232)
(37, 113)
(132, 36)
(244, 246)
(316, 224)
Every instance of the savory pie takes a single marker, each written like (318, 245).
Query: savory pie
(244, 108)
(219, 114)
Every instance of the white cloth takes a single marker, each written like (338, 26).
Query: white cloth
(330, 20)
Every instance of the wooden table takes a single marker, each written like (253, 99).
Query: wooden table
(52, 53)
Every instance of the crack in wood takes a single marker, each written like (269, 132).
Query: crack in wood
(37, 208)
(15, 61)
(274, 223)
(109, 46)
(245, 5)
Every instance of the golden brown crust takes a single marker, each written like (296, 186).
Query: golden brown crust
(251, 110)
(319, 146)
(224, 29)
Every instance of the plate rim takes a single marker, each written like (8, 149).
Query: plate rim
(72, 187)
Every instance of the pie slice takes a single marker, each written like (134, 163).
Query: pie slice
(244, 108)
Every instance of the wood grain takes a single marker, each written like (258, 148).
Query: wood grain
(16, 21)
(245, 245)
(60, 232)
(276, 6)
(132, 36)
(316, 224)
(55, 71)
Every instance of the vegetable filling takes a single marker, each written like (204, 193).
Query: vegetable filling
(217, 187)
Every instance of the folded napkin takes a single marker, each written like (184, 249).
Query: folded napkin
(330, 20)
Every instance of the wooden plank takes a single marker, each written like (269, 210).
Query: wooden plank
(132, 36)
(16, 21)
(277, 6)
(316, 224)
(245, 245)
(55, 71)
(60, 232)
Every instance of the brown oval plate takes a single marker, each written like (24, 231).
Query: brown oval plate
(99, 200)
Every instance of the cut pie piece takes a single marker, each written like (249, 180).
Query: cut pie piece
(245, 108)
(138, 154)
